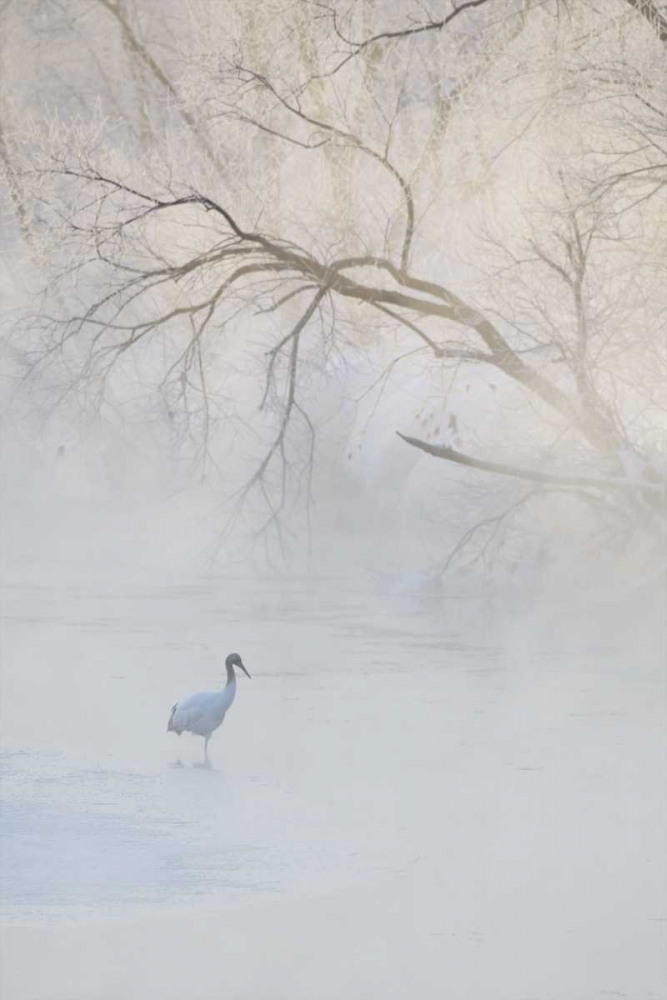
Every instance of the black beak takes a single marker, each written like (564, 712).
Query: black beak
(243, 669)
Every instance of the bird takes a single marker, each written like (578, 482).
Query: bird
(203, 712)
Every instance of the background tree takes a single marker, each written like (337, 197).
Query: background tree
(235, 210)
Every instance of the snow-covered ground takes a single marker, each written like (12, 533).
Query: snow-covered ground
(414, 797)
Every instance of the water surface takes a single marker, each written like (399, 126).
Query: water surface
(415, 795)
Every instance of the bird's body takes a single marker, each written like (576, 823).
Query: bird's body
(202, 713)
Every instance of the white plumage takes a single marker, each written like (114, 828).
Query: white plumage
(203, 712)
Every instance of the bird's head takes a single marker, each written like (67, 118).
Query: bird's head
(234, 660)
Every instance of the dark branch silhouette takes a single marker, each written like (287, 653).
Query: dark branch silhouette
(649, 11)
(398, 35)
(451, 455)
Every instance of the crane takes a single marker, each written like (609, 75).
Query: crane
(202, 713)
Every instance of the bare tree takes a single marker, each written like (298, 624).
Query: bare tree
(172, 255)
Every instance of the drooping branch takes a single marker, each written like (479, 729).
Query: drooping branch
(495, 523)
(290, 403)
(410, 297)
(501, 468)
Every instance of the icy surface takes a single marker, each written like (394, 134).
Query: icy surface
(413, 797)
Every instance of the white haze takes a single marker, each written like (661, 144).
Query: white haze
(446, 777)
(431, 795)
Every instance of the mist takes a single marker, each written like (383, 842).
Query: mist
(333, 336)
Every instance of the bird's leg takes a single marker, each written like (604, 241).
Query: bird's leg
(205, 762)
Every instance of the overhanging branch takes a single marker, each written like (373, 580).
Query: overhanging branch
(500, 468)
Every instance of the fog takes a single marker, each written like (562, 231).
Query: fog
(333, 335)
(411, 795)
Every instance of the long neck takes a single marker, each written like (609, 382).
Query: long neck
(231, 676)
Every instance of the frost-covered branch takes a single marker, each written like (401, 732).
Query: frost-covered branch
(534, 475)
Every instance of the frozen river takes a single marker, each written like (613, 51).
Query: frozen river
(412, 798)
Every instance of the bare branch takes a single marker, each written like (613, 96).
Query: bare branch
(649, 11)
(398, 35)
(359, 144)
(145, 57)
(294, 336)
(441, 451)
